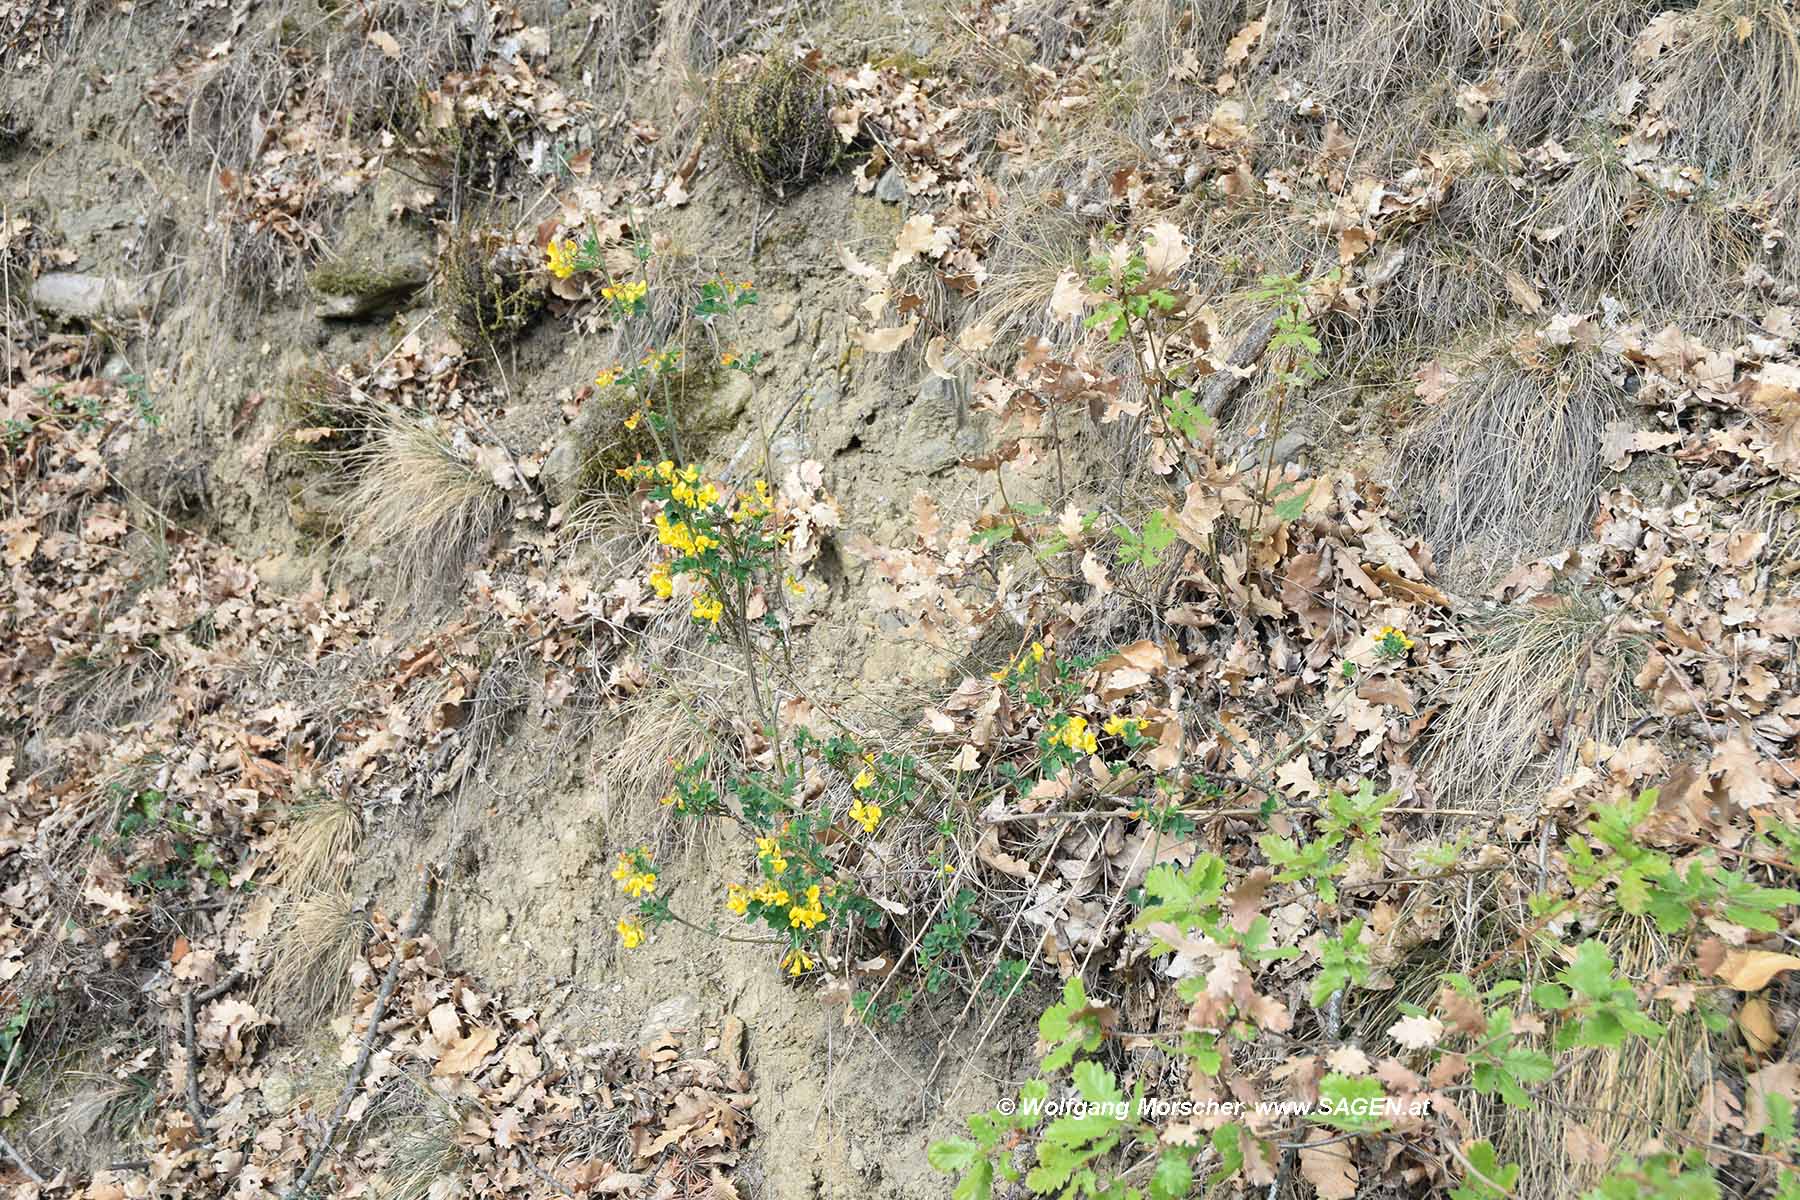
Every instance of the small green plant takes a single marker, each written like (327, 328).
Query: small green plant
(165, 849)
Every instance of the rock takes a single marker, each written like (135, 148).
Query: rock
(78, 296)
(677, 1012)
(937, 433)
(725, 404)
(781, 315)
(278, 1090)
(561, 470)
(1290, 446)
(891, 187)
(347, 291)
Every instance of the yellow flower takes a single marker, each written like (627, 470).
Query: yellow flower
(797, 961)
(607, 378)
(767, 893)
(1124, 726)
(708, 608)
(865, 779)
(727, 358)
(1394, 636)
(808, 914)
(660, 583)
(631, 422)
(641, 885)
(737, 898)
(630, 932)
(562, 257)
(795, 586)
(1076, 735)
(769, 849)
(1037, 652)
(868, 815)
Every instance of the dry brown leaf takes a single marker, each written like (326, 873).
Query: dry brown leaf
(1329, 1167)
(1751, 970)
(1757, 1024)
(465, 1054)
(884, 341)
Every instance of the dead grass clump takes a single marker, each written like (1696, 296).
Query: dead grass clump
(309, 972)
(328, 419)
(1686, 260)
(1612, 1098)
(423, 1155)
(1729, 86)
(422, 503)
(317, 842)
(1510, 461)
(773, 122)
(1535, 681)
(489, 286)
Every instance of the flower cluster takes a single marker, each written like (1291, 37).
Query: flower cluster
(1073, 732)
(564, 257)
(635, 874)
(627, 299)
(1392, 643)
(636, 877)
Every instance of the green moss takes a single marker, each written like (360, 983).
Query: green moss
(905, 62)
(348, 279)
(775, 125)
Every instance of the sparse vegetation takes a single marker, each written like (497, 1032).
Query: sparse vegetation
(1262, 537)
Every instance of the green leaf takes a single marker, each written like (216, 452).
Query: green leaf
(953, 1154)
(1290, 508)
(1550, 995)
(1173, 1177)
(1591, 974)
(978, 1184)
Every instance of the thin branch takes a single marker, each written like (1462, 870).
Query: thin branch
(189, 1004)
(23, 1165)
(388, 983)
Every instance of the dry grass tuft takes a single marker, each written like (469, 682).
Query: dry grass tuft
(309, 970)
(1509, 464)
(317, 843)
(422, 504)
(423, 1154)
(1535, 679)
(1620, 1098)
(773, 121)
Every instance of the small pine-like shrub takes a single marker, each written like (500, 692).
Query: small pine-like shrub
(489, 288)
(774, 122)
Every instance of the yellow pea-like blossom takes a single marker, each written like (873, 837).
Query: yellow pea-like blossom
(737, 898)
(809, 914)
(866, 813)
(771, 895)
(1076, 735)
(631, 933)
(768, 849)
(562, 257)
(708, 608)
(797, 961)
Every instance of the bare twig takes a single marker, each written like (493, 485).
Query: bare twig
(190, 1003)
(389, 982)
(23, 1165)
